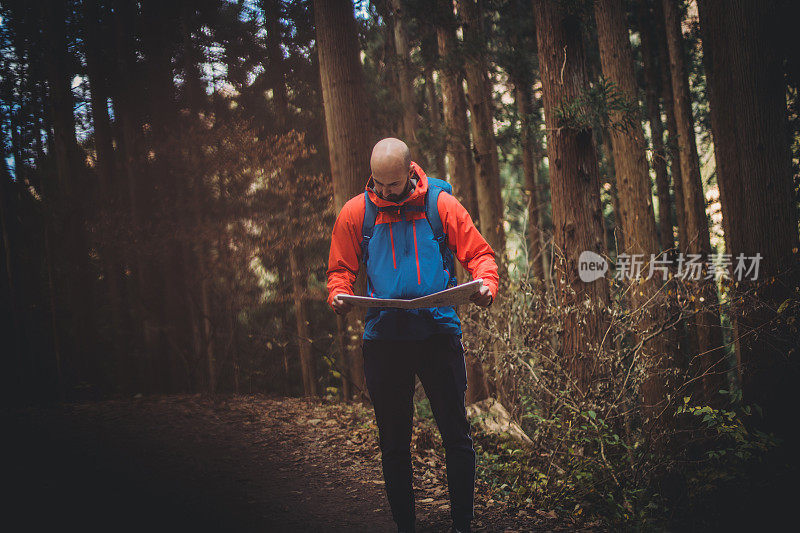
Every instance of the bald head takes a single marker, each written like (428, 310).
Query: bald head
(390, 157)
(391, 166)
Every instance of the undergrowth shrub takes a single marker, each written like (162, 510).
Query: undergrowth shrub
(596, 454)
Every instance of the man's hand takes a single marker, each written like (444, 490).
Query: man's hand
(340, 306)
(483, 297)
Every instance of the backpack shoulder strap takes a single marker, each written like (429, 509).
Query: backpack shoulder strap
(370, 214)
(435, 187)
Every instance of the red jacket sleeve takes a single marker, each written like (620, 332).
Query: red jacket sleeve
(345, 254)
(467, 243)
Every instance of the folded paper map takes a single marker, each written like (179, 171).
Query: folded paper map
(449, 297)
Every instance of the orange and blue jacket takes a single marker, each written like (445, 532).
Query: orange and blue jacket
(404, 260)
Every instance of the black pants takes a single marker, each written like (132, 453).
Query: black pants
(389, 367)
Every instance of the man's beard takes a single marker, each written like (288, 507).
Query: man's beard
(398, 197)
(393, 197)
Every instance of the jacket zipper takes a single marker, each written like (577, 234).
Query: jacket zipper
(391, 236)
(416, 253)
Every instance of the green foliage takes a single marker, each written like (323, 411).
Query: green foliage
(595, 455)
(601, 105)
(729, 432)
(423, 409)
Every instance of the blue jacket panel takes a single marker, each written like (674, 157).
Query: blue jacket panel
(404, 261)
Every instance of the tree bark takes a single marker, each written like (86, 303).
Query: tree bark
(301, 317)
(459, 158)
(108, 249)
(748, 122)
(479, 96)
(531, 157)
(17, 319)
(348, 133)
(618, 233)
(124, 97)
(709, 360)
(405, 81)
(199, 255)
(72, 244)
(653, 82)
(671, 147)
(281, 99)
(435, 117)
(575, 190)
(646, 300)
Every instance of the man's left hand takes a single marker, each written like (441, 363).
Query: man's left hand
(483, 297)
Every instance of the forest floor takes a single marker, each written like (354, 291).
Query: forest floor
(245, 463)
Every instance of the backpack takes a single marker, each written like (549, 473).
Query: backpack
(435, 187)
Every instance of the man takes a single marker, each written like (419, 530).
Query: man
(404, 260)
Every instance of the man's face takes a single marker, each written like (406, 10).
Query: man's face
(391, 187)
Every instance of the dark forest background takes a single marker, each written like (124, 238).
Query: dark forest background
(171, 172)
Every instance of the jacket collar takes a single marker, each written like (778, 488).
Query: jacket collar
(413, 198)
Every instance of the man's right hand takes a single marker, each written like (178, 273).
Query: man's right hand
(340, 306)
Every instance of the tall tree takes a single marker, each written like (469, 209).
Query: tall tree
(7, 192)
(349, 138)
(406, 79)
(635, 200)
(708, 361)
(653, 81)
(194, 96)
(435, 146)
(98, 67)
(280, 95)
(531, 159)
(754, 172)
(460, 166)
(125, 88)
(574, 186)
(671, 146)
(72, 190)
(516, 55)
(479, 96)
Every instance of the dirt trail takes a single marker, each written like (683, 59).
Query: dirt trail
(184, 463)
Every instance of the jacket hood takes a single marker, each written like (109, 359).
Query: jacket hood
(413, 198)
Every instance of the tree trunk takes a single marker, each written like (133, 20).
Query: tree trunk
(348, 133)
(487, 182)
(277, 69)
(537, 258)
(574, 190)
(687, 340)
(107, 243)
(201, 256)
(646, 301)
(748, 121)
(653, 88)
(301, 317)
(709, 360)
(671, 147)
(406, 81)
(342, 343)
(281, 98)
(435, 117)
(619, 234)
(459, 158)
(17, 321)
(395, 118)
(124, 98)
(51, 299)
(72, 246)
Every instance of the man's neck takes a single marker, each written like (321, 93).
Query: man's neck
(411, 184)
